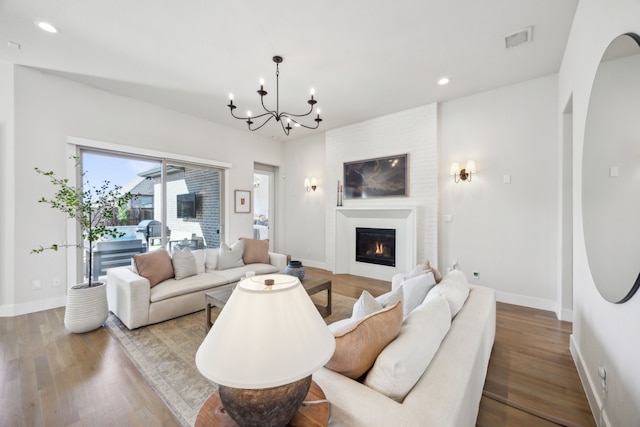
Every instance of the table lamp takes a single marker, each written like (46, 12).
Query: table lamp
(262, 349)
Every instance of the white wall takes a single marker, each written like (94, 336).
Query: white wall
(505, 232)
(7, 166)
(412, 131)
(304, 216)
(604, 334)
(48, 110)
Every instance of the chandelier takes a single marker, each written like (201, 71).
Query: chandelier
(286, 119)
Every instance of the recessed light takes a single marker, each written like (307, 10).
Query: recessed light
(443, 81)
(45, 26)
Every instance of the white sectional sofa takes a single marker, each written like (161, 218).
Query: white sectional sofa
(136, 303)
(447, 392)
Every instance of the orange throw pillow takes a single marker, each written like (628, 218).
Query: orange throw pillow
(255, 251)
(155, 266)
(359, 343)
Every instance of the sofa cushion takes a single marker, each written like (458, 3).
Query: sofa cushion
(211, 259)
(401, 364)
(200, 282)
(415, 289)
(155, 266)
(230, 257)
(235, 274)
(200, 263)
(454, 288)
(184, 263)
(359, 343)
(255, 251)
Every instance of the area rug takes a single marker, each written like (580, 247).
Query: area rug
(165, 353)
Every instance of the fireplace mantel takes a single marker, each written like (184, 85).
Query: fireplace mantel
(402, 219)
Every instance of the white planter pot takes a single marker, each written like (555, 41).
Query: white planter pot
(87, 308)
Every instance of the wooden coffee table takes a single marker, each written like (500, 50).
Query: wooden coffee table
(219, 296)
(313, 286)
(213, 414)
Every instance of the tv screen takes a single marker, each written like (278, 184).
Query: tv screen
(186, 205)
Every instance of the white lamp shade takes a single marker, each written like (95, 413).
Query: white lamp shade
(455, 168)
(471, 166)
(307, 184)
(265, 338)
(314, 181)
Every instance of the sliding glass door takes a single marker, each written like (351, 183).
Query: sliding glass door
(175, 205)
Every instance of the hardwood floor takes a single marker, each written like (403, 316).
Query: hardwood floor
(50, 377)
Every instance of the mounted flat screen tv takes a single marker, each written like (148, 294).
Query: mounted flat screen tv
(186, 205)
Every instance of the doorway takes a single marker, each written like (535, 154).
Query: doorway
(264, 203)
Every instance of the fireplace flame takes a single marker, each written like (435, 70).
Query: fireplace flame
(379, 248)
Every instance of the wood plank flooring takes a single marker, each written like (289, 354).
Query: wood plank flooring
(49, 377)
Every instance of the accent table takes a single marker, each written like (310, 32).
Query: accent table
(213, 414)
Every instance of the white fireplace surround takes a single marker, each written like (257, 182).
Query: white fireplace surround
(402, 219)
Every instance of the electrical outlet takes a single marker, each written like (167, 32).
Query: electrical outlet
(476, 275)
(55, 281)
(36, 284)
(602, 373)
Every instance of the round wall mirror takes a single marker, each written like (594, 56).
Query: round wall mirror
(611, 172)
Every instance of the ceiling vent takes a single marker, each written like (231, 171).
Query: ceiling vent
(518, 38)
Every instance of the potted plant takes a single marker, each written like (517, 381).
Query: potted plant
(96, 210)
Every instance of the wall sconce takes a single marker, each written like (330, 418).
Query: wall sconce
(463, 174)
(310, 185)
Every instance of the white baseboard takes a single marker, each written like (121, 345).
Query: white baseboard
(565, 314)
(12, 310)
(532, 302)
(589, 386)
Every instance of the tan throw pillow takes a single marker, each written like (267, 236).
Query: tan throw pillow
(184, 263)
(154, 266)
(359, 343)
(436, 273)
(255, 251)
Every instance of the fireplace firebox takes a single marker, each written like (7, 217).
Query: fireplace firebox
(376, 246)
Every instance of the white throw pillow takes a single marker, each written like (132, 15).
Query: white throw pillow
(199, 256)
(391, 297)
(403, 361)
(454, 288)
(415, 289)
(184, 263)
(211, 259)
(365, 306)
(230, 257)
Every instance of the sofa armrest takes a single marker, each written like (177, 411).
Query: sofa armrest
(279, 260)
(129, 296)
(355, 404)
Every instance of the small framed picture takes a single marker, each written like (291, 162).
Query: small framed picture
(243, 201)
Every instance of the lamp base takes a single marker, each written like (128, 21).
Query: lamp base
(264, 407)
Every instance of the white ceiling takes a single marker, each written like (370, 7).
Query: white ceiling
(364, 58)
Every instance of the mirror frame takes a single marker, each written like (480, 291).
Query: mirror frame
(624, 293)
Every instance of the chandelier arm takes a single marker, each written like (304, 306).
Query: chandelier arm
(269, 113)
(285, 129)
(302, 124)
(274, 113)
(297, 115)
(264, 123)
